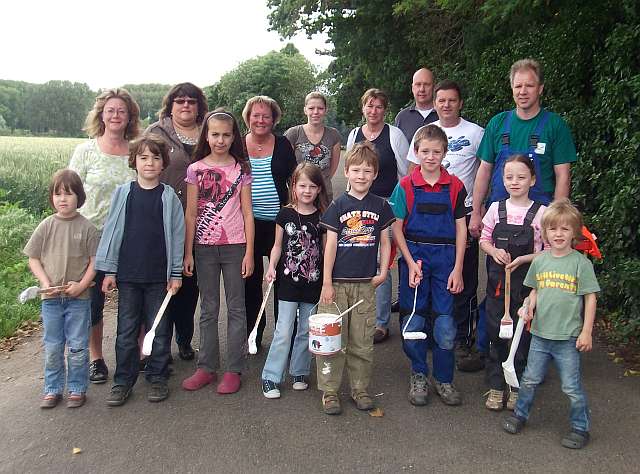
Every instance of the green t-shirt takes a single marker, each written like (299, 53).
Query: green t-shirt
(555, 145)
(561, 283)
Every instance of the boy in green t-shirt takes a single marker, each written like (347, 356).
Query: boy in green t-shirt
(563, 283)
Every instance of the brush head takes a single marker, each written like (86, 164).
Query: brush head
(147, 343)
(253, 347)
(28, 294)
(510, 376)
(414, 335)
(506, 329)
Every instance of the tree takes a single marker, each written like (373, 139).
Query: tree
(284, 75)
(149, 98)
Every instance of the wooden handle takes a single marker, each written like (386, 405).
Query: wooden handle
(507, 290)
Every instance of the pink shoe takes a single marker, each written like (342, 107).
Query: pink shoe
(230, 383)
(198, 380)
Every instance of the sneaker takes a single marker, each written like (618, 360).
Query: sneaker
(512, 424)
(495, 400)
(198, 380)
(576, 439)
(270, 389)
(118, 395)
(299, 382)
(418, 389)
(331, 403)
(158, 392)
(76, 399)
(186, 352)
(362, 400)
(512, 400)
(448, 393)
(98, 371)
(50, 400)
(230, 383)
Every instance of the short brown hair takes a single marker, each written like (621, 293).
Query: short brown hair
(525, 160)
(375, 94)
(562, 211)
(276, 111)
(70, 181)
(530, 64)
(184, 89)
(430, 132)
(154, 143)
(362, 152)
(94, 125)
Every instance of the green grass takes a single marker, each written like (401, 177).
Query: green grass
(26, 166)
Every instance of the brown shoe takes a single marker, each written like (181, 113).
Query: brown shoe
(50, 400)
(362, 400)
(76, 399)
(380, 335)
(331, 403)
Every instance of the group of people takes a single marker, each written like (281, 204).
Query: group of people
(163, 215)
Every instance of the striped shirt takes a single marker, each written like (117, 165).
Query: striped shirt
(264, 195)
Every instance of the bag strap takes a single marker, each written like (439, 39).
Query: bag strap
(222, 202)
(502, 211)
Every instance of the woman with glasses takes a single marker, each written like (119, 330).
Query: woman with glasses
(181, 115)
(103, 164)
(272, 164)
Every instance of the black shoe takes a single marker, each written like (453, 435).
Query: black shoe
(118, 395)
(186, 352)
(512, 424)
(98, 371)
(380, 335)
(158, 392)
(143, 364)
(473, 362)
(576, 439)
(395, 306)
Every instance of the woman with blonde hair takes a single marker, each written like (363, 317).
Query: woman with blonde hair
(102, 162)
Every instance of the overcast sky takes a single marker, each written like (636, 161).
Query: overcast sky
(109, 43)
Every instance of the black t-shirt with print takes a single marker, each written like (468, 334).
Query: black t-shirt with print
(358, 223)
(299, 270)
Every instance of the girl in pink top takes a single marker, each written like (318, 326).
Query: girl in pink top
(511, 238)
(219, 221)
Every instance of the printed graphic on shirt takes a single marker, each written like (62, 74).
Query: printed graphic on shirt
(561, 281)
(457, 144)
(359, 229)
(302, 256)
(319, 154)
(213, 187)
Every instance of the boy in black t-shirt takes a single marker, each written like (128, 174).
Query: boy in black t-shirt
(354, 223)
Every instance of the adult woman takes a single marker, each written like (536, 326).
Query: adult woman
(272, 164)
(103, 163)
(314, 142)
(391, 146)
(181, 115)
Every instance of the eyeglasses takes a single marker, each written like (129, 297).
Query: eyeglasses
(188, 101)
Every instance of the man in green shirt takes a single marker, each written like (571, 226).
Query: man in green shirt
(530, 130)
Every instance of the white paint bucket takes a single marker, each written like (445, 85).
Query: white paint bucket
(325, 332)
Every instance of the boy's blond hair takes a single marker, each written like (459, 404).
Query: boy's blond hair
(430, 132)
(362, 152)
(562, 211)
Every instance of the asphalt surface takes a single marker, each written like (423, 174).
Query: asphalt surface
(244, 432)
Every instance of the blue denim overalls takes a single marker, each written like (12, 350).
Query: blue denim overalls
(430, 232)
(498, 191)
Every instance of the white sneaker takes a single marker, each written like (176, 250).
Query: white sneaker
(270, 389)
(299, 383)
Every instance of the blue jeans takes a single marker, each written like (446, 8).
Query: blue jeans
(279, 350)
(567, 360)
(138, 304)
(66, 321)
(383, 297)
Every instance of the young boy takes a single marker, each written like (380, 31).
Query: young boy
(563, 285)
(142, 246)
(354, 223)
(431, 229)
(61, 254)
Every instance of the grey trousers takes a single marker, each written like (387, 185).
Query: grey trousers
(210, 261)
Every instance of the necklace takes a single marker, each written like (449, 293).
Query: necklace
(185, 139)
(372, 135)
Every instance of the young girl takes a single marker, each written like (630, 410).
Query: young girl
(510, 237)
(299, 272)
(62, 252)
(220, 221)
(141, 249)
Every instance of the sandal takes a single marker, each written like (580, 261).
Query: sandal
(50, 400)
(76, 399)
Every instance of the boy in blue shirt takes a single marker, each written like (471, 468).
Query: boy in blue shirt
(430, 227)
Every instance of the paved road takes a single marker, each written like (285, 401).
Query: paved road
(244, 432)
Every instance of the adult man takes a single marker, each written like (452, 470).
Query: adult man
(421, 112)
(530, 130)
(464, 139)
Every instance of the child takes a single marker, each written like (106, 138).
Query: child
(300, 275)
(563, 286)
(220, 221)
(354, 222)
(431, 227)
(141, 252)
(510, 237)
(62, 252)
